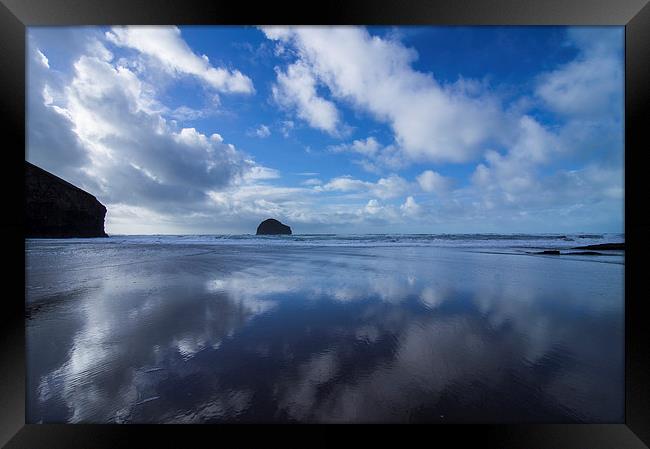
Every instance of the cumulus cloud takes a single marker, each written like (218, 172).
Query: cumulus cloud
(346, 184)
(375, 212)
(109, 108)
(375, 75)
(586, 95)
(103, 130)
(165, 45)
(367, 147)
(375, 157)
(515, 170)
(592, 84)
(410, 207)
(296, 89)
(464, 122)
(513, 178)
(385, 188)
(51, 141)
(245, 204)
(431, 181)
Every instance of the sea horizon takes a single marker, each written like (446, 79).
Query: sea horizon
(494, 240)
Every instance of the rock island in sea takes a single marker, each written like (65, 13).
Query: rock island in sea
(272, 226)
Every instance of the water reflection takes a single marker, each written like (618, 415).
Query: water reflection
(325, 335)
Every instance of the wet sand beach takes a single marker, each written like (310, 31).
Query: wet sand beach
(165, 331)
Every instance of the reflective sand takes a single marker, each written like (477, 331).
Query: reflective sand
(199, 333)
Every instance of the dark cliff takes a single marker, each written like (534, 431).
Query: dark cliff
(273, 227)
(55, 208)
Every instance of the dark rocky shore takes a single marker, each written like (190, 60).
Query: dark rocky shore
(54, 208)
(601, 247)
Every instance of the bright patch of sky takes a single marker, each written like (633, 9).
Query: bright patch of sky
(205, 129)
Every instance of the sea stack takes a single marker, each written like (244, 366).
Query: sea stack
(54, 208)
(272, 226)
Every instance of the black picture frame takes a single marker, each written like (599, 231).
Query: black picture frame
(16, 15)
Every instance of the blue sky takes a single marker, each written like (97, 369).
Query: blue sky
(205, 129)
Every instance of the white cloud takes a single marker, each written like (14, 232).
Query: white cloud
(515, 173)
(376, 213)
(582, 87)
(410, 207)
(286, 127)
(42, 59)
(373, 207)
(346, 184)
(185, 113)
(367, 147)
(385, 188)
(390, 187)
(515, 184)
(586, 94)
(50, 141)
(167, 47)
(375, 75)
(296, 89)
(376, 158)
(125, 151)
(248, 203)
(258, 172)
(261, 131)
(592, 84)
(463, 121)
(431, 181)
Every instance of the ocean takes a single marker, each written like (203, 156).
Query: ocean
(324, 328)
(500, 241)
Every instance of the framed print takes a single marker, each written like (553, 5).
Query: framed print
(371, 213)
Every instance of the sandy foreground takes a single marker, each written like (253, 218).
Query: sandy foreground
(197, 333)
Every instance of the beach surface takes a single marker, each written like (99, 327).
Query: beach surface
(200, 329)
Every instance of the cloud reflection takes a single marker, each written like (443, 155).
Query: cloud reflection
(332, 335)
